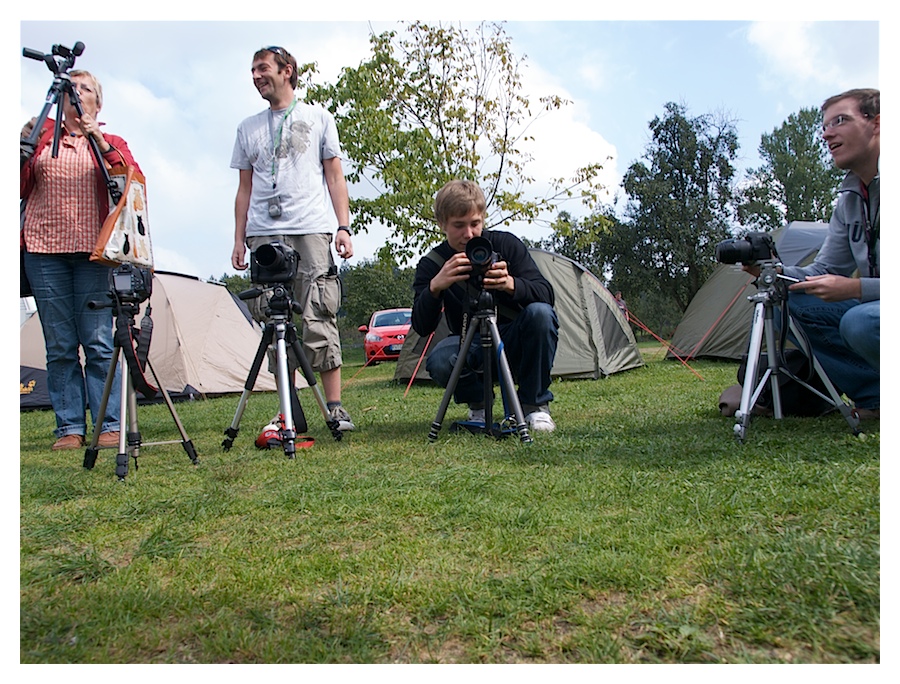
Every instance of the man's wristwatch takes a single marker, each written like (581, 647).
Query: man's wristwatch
(347, 228)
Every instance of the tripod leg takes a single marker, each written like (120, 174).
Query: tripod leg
(451, 384)
(749, 393)
(310, 376)
(185, 441)
(232, 430)
(835, 398)
(284, 386)
(488, 346)
(128, 413)
(773, 357)
(508, 384)
(90, 454)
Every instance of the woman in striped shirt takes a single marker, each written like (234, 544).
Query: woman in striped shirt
(66, 203)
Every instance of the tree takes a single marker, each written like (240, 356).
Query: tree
(436, 104)
(798, 181)
(680, 205)
(235, 283)
(373, 285)
(586, 240)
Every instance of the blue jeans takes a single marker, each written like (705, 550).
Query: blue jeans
(845, 338)
(63, 284)
(529, 342)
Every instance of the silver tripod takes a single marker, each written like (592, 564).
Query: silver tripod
(771, 291)
(484, 321)
(280, 329)
(130, 441)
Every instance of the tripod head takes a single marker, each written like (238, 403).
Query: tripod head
(771, 285)
(280, 304)
(59, 60)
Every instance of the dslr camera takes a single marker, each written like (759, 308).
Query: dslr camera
(482, 256)
(752, 248)
(131, 284)
(273, 263)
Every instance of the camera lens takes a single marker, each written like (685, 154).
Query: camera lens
(269, 256)
(479, 251)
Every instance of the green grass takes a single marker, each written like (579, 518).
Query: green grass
(640, 531)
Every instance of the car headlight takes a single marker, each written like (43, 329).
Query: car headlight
(372, 337)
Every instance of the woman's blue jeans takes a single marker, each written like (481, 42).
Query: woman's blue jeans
(529, 343)
(845, 338)
(62, 285)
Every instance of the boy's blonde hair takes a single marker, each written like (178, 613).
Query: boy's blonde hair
(458, 198)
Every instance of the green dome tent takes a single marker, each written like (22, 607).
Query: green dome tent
(717, 322)
(595, 339)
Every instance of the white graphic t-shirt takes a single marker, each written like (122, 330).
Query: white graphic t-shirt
(285, 149)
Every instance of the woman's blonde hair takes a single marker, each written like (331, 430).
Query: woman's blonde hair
(98, 89)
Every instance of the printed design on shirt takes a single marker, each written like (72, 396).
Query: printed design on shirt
(296, 140)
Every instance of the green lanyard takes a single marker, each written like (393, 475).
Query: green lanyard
(276, 141)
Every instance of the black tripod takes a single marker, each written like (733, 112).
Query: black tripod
(772, 291)
(280, 328)
(484, 322)
(132, 365)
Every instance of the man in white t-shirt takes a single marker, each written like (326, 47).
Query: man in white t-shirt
(292, 190)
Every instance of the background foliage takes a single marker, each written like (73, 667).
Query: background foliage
(435, 103)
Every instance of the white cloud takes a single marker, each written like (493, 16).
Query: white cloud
(806, 57)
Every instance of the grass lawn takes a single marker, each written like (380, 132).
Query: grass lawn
(640, 531)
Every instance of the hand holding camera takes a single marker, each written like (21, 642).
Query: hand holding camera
(489, 271)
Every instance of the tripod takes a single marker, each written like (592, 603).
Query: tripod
(59, 61)
(130, 441)
(280, 328)
(771, 292)
(484, 321)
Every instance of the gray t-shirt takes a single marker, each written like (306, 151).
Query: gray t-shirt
(285, 149)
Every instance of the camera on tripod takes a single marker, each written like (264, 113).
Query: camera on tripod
(747, 250)
(482, 256)
(131, 284)
(273, 263)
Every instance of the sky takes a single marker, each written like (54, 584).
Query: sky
(176, 91)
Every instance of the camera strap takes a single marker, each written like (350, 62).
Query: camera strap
(136, 345)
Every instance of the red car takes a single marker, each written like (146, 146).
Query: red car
(385, 334)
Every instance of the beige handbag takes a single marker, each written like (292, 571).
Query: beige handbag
(125, 234)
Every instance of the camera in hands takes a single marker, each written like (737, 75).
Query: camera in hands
(273, 263)
(482, 256)
(753, 248)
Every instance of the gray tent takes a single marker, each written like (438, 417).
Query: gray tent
(595, 339)
(717, 322)
(203, 343)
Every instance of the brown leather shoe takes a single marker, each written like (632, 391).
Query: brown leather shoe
(108, 439)
(69, 442)
(867, 414)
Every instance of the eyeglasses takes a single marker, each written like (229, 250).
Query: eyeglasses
(277, 50)
(839, 120)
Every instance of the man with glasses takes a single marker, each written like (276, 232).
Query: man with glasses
(292, 190)
(837, 301)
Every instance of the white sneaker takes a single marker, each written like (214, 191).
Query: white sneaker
(339, 414)
(540, 421)
(476, 415)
